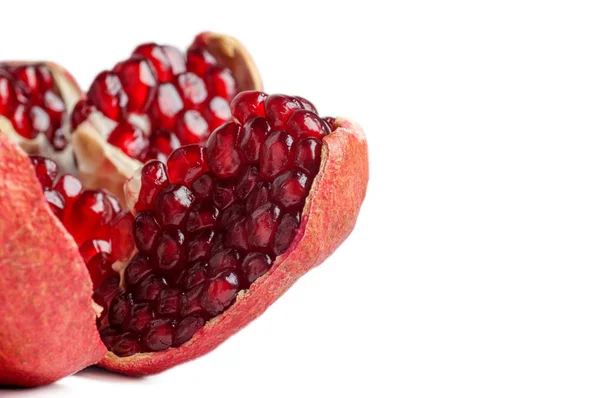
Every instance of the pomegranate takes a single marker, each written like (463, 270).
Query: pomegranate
(35, 100)
(209, 239)
(154, 102)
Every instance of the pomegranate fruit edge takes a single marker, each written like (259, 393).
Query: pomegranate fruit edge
(48, 319)
(102, 165)
(329, 216)
(70, 93)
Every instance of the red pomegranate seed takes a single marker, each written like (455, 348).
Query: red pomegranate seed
(203, 187)
(247, 182)
(23, 123)
(285, 233)
(190, 302)
(139, 82)
(139, 267)
(258, 196)
(54, 107)
(90, 213)
(252, 138)
(186, 329)
(172, 205)
(176, 59)
(248, 104)
(217, 113)
(8, 94)
(80, 113)
(153, 179)
(191, 128)
(106, 93)
(28, 76)
(330, 122)
(278, 108)
(158, 58)
(149, 288)
(224, 260)
(56, 202)
(46, 170)
(100, 268)
(57, 138)
(262, 224)
(192, 89)
(194, 276)
(121, 240)
(145, 231)
(220, 293)
(125, 345)
(199, 61)
(198, 248)
(186, 164)
(256, 265)
(221, 83)
(223, 156)
(107, 291)
(140, 318)
(165, 106)
(69, 188)
(223, 194)
(201, 216)
(303, 123)
(237, 236)
(275, 154)
(130, 139)
(162, 143)
(307, 155)
(160, 335)
(306, 104)
(289, 189)
(170, 251)
(92, 247)
(168, 302)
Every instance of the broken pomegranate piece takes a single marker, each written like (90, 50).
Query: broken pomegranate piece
(156, 101)
(35, 100)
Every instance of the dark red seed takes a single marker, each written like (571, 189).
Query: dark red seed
(223, 194)
(46, 170)
(168, 302)
(201, 216)
(203, 187)
(200, 245)
(139, 82)
(138, 268)
(220, 83)
(303, 123)
(22, 123)
(91, 211)
(223, 157)
(100, 268)
(307, 155)
(186, 164)
(130, 139)
(306, 104)
(223, 260)
(107, 291)
(247, 182)
(80, 113)
(165, 106)
(191, 128)
(145, 230)
(247, 105)
(220, 293)
(194, 276)
(162, 143)
(252, 138)
(121, 240)
(186, 329)
(120, 309)
(285, 233)
(149, 288)
(330, 122)
(172, 205)
(190, 302)
(290, 189)
(237, 236)
(153, 179)
(256, 265)
(262, 224)
(125, 345)
(278, 108)
(170, 250)
(160, 335)
(92, 247)
(106, 93)
(275, 154)
(141, 315)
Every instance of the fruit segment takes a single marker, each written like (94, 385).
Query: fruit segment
(156, 101)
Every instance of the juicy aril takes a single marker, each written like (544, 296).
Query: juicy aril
(212, 237)
(35, 100)
(155, 101)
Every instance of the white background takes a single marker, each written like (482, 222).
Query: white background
(474, 268)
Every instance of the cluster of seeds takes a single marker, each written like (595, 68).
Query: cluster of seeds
(161, 99)
(30, 99)
(213, 220)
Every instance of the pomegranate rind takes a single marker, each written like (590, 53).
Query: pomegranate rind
(70, 93)
(102, 165)
(329, 216)
(47, 321)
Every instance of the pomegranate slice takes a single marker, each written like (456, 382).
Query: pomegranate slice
(155, 101)
(209, 240)
(35, 100)
(46, 290)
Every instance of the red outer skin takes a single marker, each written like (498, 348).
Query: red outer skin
(328, 218)
(47, 323)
